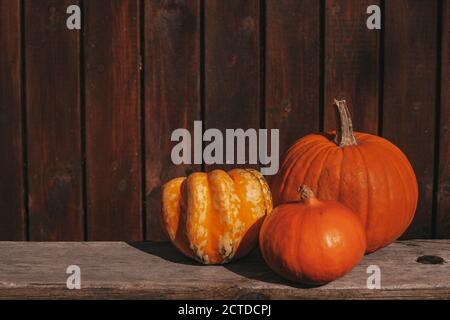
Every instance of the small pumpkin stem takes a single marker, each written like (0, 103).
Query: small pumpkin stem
(344, 127)
(305, 193)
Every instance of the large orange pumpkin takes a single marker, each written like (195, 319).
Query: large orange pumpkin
(215, 217)
(365, 172)
(312, 241)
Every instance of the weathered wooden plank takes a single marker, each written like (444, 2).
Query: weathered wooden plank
(232, 85)
(12, 226)
(158, 271)
(351, 63)
(410, 94)
(443, 198)
(292, 68)
(53, 126)
(113, 144)
(172, 93)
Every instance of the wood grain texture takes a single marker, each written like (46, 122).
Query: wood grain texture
(410, 94)
(159, 271)
(351, 64)
(172, 93)
(53, 114)
(232, 85)
(443, 196)
(234, 70)
(113, 143)
(12, 210)
(292, 68)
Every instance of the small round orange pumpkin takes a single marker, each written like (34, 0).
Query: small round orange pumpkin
(215, 217)
(312, 241)
(365, 172)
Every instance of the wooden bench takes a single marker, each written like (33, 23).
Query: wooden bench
(409, 269)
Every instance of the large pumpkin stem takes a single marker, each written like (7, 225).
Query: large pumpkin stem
(344, 127)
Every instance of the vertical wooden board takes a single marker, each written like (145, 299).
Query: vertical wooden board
(53, 118)
(292, 68)
(232, 86)
(113, 144)
(443, 205)
(351, 63)
(172, 93)
(410, 95)
(12, 226)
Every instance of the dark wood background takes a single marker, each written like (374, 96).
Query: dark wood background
(86, 117)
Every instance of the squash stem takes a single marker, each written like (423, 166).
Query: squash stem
(344, 127)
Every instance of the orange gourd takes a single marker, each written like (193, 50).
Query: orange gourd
(215, 217)
(312, 241)
(365, 172)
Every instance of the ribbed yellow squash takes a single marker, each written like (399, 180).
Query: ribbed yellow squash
(215, 217)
